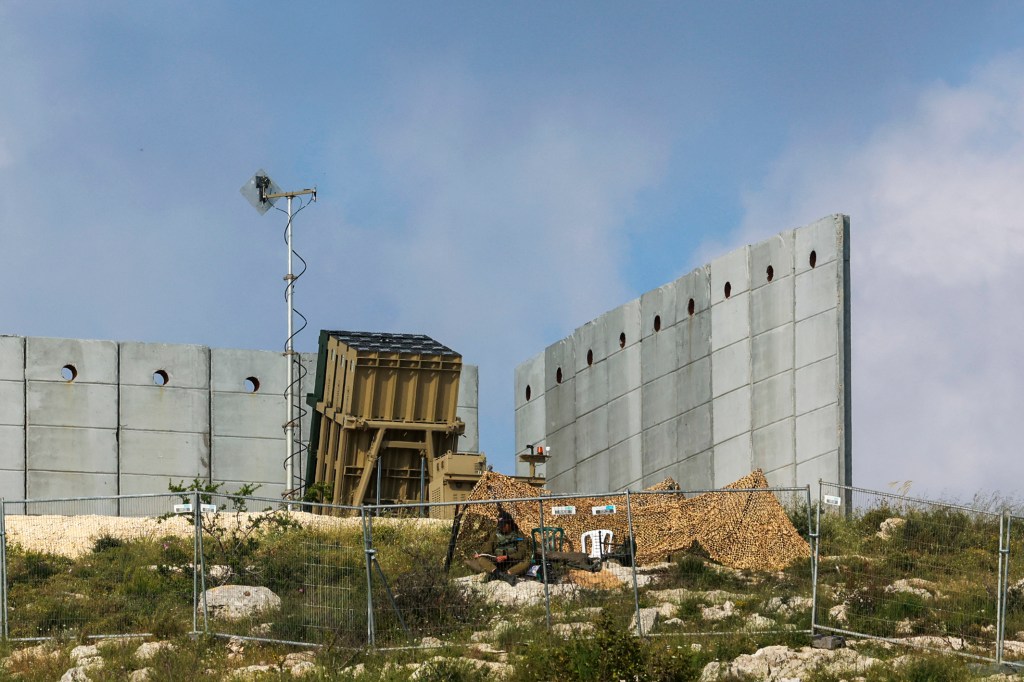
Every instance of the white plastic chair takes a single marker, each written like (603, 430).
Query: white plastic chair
(599, 540)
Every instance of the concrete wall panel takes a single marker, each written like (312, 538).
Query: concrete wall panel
(591, 387)
(816, 385)
(469, 385)
(816, 338)
(185, 366)
(181, 456)
(731, 415)
(592, 474)
(693, 338)
(734, 459)
(562, 446)
(695, 286)
(775, 252)
(57, 448)
(590, 344)
(592, 433)
(624, 418)
(731, 367)
(12, 358)
(560, 405)
(247, 415)
(625, 468)
(559, 363)
(229, 368)
(95, 362)
(163, 408)
(469, 441)
(12, 403)
(658, 303)
(42, 485)
(772, 400)
(816, 434)
(730, 321)
(823, 237)
(771, 353)
(248, 460)
(733, 269)
(529, 374)
(824, 467)
(816, 291)
(661, 446)
(623, 371)
(773, 446)
(659, 354)
(695, 473)
(694, 431)
(693, 385)
(771, 306)
(72, 404)
(658, 400)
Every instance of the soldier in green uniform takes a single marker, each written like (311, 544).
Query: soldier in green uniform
(505, 555)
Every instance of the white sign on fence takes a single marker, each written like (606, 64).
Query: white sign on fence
(567, 510)
(603, 509)
(834, 500)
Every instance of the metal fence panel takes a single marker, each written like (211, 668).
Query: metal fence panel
(1013, 595)
(922, 573)
(75, 568)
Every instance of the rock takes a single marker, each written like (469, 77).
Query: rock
(148, 650)
(84, 652)
(788, 606)
(667, 610)
(297, 657)
(838, 613)
(935, 642)
(756, 622)
(889, 527)
(251, 672)
(925, 589)
(673, 622)
(680, 594)
(431, 643)
(570, 629)
(904, 627)
(648, 619)
(262, 630)
(778, 663)
(235, 602)
(139, 675)
(75, 675)
(29, 654)
(716, 613)
(303, 668)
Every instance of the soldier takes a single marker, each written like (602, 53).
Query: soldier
(505, 555)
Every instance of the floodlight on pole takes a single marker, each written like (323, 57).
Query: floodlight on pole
(262, 193)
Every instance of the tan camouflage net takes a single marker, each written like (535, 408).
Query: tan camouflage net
(746, 530)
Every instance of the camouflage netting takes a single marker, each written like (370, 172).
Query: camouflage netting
(746, 530)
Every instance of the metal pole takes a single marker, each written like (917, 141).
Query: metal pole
(544, 566)
(3, 570)
(423, 483)
(368, 551)
(1004, 562)
(632, 560)
(290, 423)
(816, 541)
(380, 468)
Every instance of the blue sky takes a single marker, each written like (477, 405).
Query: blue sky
(497, 174)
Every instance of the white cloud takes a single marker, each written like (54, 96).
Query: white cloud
(937, 236)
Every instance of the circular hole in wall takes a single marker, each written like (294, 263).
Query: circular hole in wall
(657, 323)
(622, 340)
(68, 373)
(252, 384)
(160, 377)
(590, 357)
(728, 289)
(528, 392)
(813, 260)
(690, 307)
(558, 375)
(770, 273)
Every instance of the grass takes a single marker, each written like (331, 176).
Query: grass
(146, 586)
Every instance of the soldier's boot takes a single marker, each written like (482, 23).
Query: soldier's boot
(507, 577)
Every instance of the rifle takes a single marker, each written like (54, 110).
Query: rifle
(456, 524)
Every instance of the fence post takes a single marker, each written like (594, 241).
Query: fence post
(199, 564)
(1004, 586)
(544, 564)
(815, 544)
(632, 561)
(368, 551)
(3, 570)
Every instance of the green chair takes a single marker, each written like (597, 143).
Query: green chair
(552, 538)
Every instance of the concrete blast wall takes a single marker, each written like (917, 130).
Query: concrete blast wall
(89, 418)
(743, 363)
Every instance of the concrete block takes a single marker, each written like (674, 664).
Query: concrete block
(817, 385)
(772, 400)
(730, 321)
(591, 387)
(695, 473)
(267, 489)
(784, 478)
(817, 432)
(560, 364)
(659, 354)
(657, 310)
(591, 344)
(562, 444)
(94, 362)
(469, 386)
(624, 371)
(693, 294)
(181, 456)
(229, 369)
(731, 415)
(12, 403)
(823, 237)
(531, 425)
(733, 460)
(625, 418)
(12, 448)
(825, 467)
(773, 446)
(693, 338)
(247, 415)
(658, 400)
(592, 474)
(622, 327)
(248, 460)
(50, 448)
(693, 431)
(45, 485)
(660, 446)
(730, 367)
(771, 306)
(771, 353)
(732, 272)
(775, 253)
(12, 487)
(12, 358)
(592, 434)
(469, 441)
(817, 338)
(164, 408)
(148, 484)
(693, 385)
(182, 366)
(817, 290)
(72, 404)
(529, 375)
(560, 405)
(625, 465)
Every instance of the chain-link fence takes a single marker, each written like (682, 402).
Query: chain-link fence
(1012, 623)
(926, 574)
